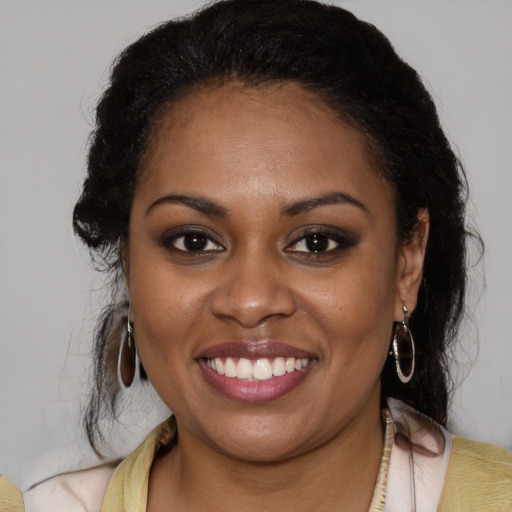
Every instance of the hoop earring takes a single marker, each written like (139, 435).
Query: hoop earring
(403, 348)
(127, 357)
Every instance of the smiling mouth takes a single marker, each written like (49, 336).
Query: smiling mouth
(260, 369)
(255, 371)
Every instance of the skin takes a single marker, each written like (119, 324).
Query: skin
(254, 153)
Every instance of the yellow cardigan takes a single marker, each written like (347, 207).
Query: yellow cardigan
(479, 478)
(10, 496)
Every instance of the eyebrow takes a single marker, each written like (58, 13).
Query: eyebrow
(307, 204)
(201, 204)
(209, 207)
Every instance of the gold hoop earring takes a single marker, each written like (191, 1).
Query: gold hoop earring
(403, 348)
(126, 362)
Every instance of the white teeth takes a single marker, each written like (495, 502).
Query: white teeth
(278, 367)
(258, 369)
(229, 368)
(262, 370)
(220, 365)
(244, 369)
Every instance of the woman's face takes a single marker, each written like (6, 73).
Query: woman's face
(264, 271)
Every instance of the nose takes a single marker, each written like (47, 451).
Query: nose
(252, 291)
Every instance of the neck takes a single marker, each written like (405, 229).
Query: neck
(338, 475)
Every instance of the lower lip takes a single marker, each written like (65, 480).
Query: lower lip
(255, 391)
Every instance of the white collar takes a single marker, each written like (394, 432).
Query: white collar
(419, 460)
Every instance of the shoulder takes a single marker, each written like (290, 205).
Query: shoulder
(448, 472)
(79, 491)
(10, 496)
(128, 487)
(102, 487)
(479, 477)
(482, 456)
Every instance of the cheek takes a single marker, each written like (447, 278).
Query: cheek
(164, 328)
(355, 310)
(360, 293)
(165, 307)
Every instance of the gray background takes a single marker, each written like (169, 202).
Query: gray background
(54, 60)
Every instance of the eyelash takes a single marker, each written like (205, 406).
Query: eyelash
(171, 242)
(336, 242)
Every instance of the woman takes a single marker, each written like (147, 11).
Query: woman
(284, 219)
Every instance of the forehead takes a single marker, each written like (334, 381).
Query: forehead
(278, 139)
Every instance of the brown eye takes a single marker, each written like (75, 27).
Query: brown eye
(194, 241)
(315, 243)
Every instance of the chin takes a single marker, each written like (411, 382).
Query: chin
(263, 449)
(258, 438)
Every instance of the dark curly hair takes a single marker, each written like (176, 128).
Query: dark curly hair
(354, 69)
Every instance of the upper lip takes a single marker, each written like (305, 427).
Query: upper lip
(264, 348)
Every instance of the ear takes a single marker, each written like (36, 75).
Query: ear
(411, 257)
